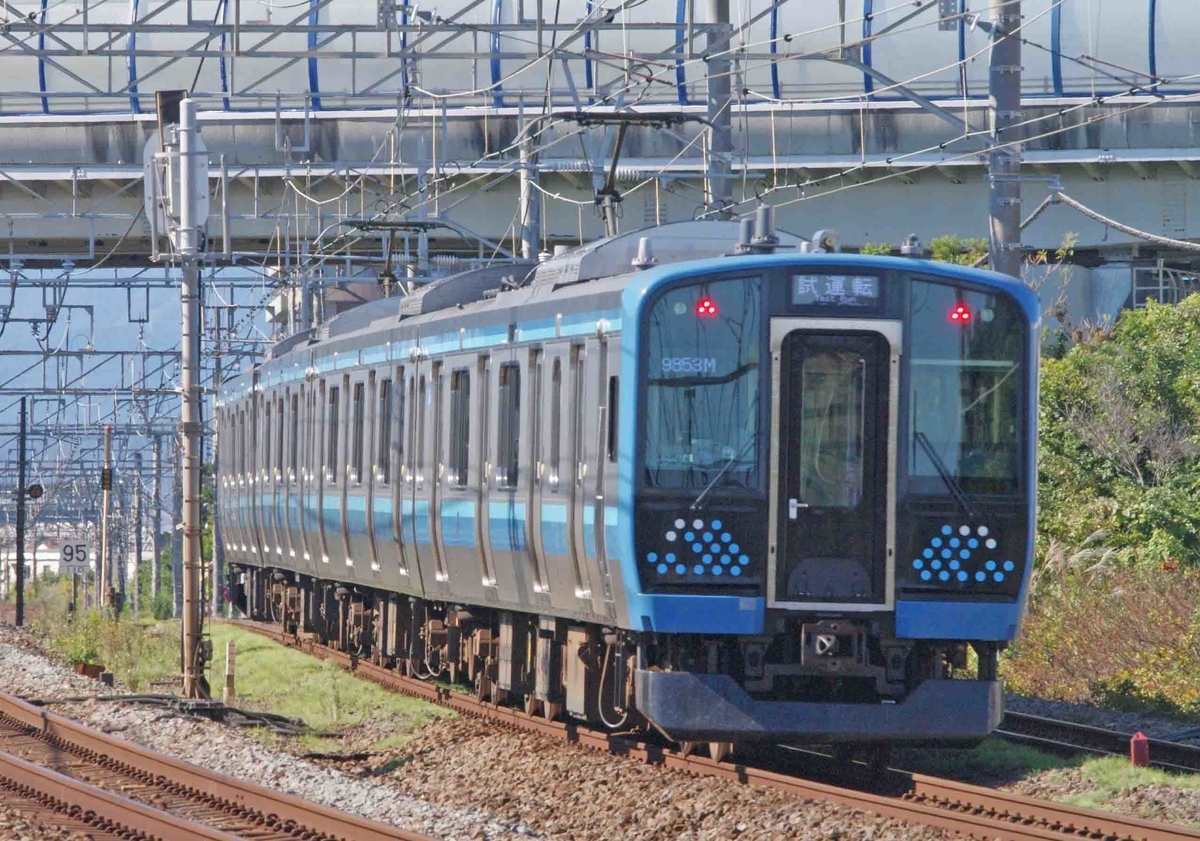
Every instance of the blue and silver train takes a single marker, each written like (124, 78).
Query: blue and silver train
(734, 488)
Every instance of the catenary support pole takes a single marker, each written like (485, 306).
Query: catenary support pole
(530, 206)
(156, 517)
(720, 106)
(177, 531)
(137, 532)
(189, 424)
(21, 491)
(218, 559)
(1004, 160)
(104, 586)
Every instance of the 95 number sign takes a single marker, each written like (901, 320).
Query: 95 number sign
(74, 558)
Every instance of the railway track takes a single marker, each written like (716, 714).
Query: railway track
(958, 807)
(64, 772)
(57, 800)
(1067, 736)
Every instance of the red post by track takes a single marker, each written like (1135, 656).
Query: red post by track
(1139, 750)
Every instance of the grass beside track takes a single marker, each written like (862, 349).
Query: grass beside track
(281, 680)
(995, 760)
(1086, 781)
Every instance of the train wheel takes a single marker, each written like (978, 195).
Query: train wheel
(878, 758)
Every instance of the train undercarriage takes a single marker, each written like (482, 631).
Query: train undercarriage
(555, 667)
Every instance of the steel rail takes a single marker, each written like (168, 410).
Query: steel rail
(237, 805)
(1058, 736)
(70, 804)
(946, 804)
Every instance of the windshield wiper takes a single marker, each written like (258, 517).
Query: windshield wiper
(712, 484)
(956, 491)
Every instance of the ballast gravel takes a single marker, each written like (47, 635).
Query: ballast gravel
(571, 792)
(17, 826)
(233, 752)
(465, 779)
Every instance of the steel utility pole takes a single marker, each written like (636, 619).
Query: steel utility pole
(177, 532)
(720, 104)
(1004, 159)
(190, 151)
(21, 515)
(530, 221)
(156, 517)
(218, 559)
(106, 477)
(137, 532)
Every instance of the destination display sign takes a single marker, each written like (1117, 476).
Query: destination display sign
(837, 290)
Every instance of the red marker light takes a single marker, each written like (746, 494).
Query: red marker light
(960, 314)
(706, 308)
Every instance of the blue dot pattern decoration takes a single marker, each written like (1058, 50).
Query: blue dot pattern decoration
(701, 547)
(962, 554)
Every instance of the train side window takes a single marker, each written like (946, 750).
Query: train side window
(332, 447)
(295, 434)
(383, 446)
(356, 446)
(417, 392)
(266, 458)
(509, 425)
(555, 423)
(401, 404)
(460, 426)
(613, 396)
(419, 449)
(279, 436)
(252, 450)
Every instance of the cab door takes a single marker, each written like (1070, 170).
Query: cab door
(834, 411)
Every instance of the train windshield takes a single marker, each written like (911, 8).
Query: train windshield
(702, 387)
(965, 352)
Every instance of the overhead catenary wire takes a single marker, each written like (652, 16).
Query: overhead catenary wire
(1168, 242)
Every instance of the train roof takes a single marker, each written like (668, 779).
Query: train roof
(576, 271)
(605, 267)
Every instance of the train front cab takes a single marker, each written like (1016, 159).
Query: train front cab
(831, 497)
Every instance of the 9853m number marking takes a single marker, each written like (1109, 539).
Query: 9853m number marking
(689, 365)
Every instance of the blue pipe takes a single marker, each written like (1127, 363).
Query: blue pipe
(774, 50)
(41, 63)
(221, 63)
(497, 92)
(868, 9)
(680, 35)
(1056, 48)
(135, 104)
(588, 81)
(404, 52)
(314, 82)
(1153, 47)
(962, 47)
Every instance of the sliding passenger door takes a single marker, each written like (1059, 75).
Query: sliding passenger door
(354, 491)
(566, 581)
(534, 420)
(507, 507)
(579, 512)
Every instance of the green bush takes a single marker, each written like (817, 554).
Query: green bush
(880, 249)
(1124, 636)
(959, 250)
(1119, 416)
